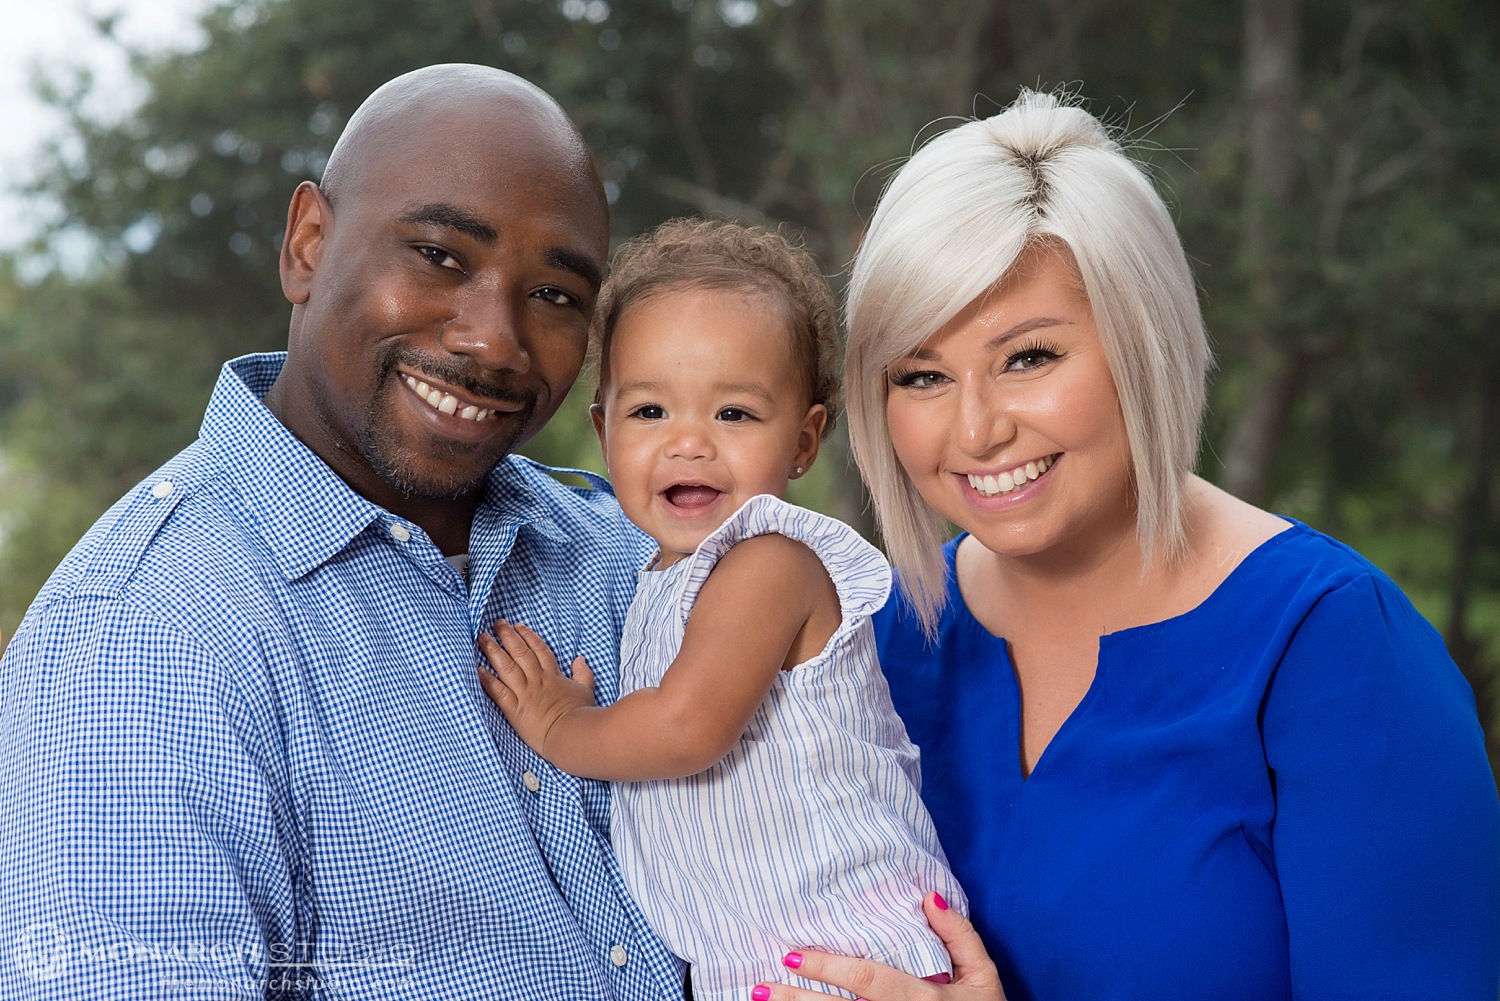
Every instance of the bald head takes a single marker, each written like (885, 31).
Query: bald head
(456, 244)
(430, 111)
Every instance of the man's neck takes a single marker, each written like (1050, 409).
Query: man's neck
(446, 522)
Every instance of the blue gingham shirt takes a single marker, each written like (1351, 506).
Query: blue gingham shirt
(244, 751)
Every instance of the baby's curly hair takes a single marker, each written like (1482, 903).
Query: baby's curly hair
(716, 255)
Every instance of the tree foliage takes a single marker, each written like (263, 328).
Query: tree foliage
(1342, 206)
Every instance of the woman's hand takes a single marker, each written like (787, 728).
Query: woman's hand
(974, 975)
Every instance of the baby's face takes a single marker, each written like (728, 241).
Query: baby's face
(705, 408)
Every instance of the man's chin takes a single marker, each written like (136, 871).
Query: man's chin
(436, 475)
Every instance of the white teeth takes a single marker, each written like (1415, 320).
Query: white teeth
(445, 402)
(1006, 482)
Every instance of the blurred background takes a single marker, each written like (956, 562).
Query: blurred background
(1334, 166)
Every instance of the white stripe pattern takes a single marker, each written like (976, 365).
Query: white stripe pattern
(811, 831)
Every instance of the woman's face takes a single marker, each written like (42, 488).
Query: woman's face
(1007, 421)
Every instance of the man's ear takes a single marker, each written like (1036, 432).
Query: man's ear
(308, 220)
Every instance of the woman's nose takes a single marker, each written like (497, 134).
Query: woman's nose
(982, 423)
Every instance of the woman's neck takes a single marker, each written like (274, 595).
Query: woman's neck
(1105, 582)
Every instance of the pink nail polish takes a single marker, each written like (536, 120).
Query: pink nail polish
(792, 960)
(937, 898)
(761, 993)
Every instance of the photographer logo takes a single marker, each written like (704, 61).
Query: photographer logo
(41, 951)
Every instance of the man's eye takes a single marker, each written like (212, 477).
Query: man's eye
(556, 296)
(440, 257)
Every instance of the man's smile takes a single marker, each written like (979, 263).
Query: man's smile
(446, 402)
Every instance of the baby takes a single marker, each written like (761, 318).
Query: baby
(765, 794)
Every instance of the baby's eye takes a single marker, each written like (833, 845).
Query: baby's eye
(648, 412)
(734, 414)
(917, 379)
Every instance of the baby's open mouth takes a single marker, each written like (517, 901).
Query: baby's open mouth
(691, 495)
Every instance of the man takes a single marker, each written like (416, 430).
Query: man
(243, 750)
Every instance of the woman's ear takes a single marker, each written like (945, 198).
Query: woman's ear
(308, 220)
(809, 438)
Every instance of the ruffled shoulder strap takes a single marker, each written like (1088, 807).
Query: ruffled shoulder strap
(860, 573)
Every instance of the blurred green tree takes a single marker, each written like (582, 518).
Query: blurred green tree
(1334, 167)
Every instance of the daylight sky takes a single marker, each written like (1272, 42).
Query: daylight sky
(58, 33)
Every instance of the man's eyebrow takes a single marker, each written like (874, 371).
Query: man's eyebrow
(581, 265)
(452, 217)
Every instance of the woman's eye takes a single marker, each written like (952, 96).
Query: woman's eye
(649, 412)
(917, 380)
(440, 257)
(1028, 359)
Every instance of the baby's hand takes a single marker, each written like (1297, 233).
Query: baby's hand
(527, 684)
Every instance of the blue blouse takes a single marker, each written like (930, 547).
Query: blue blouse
(1282, 793)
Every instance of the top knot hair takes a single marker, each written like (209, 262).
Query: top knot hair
(951, 224)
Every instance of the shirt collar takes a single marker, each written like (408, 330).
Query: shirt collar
(298, 505)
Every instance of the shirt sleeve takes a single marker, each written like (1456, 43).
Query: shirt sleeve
(1387, 831)
(139, 847)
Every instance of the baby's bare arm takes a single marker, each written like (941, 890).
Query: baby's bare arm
(766, 597)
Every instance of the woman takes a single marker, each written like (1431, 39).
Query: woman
(1175, 746)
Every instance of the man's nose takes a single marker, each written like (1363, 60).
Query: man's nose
(488, 327)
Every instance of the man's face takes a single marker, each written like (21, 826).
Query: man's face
(448, 297)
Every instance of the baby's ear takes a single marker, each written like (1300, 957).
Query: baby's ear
(596, 414)
(810, 437)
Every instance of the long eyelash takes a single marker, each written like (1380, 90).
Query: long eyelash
(1034, 347)
(903, 377)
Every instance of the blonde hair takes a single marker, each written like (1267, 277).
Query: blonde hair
(949, 226)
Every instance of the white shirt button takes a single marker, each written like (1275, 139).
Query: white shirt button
(400, 533)
(530, 781)
(619, 956)
(162, 490)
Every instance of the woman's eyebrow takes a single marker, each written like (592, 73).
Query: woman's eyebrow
(922, 353)
(1024, 327)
